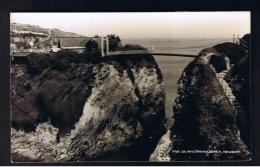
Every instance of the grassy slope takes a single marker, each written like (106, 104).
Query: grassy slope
(35, 28)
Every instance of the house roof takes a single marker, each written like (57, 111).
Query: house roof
(73, 41)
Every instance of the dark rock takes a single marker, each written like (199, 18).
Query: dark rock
(233, 51)
(239, 80)
(73, 108)
(204, 118)
(219, 62)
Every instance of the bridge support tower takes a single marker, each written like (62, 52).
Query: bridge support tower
(104, 46)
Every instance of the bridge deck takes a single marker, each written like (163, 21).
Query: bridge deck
(119, 53)
(147, 52)
(155, 54)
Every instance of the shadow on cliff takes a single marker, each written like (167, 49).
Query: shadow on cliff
(204, 118)
(54, 88)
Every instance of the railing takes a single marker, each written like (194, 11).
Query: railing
(227, 89)
(242, 117)
(128, 52)
(153, 52)
(244, 43)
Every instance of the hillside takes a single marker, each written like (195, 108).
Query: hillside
(33, 38)
(38, 29)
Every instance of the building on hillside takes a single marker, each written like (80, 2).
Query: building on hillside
(24, 41)
(28, 33)
(78, 44)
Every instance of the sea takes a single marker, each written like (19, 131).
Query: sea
(172, 67)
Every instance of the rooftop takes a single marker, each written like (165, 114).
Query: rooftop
(72, 42)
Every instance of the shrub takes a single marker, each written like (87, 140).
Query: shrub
(133, 47)
(114, 42)
(246, 38)
(91, 46)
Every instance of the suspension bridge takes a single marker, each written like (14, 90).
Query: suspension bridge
(118, 53)
(146, 52)
(105, 51)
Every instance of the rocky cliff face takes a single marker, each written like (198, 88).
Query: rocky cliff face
(206, 126)
(66, 107)
(206, 113)
(239, 80)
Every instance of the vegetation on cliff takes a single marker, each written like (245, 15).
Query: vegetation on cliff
(87, 106)
(204, 119)
(239, 80)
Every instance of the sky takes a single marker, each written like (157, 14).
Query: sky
(168, 25)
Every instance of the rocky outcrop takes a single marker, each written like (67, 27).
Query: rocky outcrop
(163, 149)
(205, 125)
(239, 80)
(206, 112)
(69, 107)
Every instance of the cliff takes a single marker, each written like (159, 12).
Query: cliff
(69, 107)
(206, 117)
(239, 80)
(209, 111)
